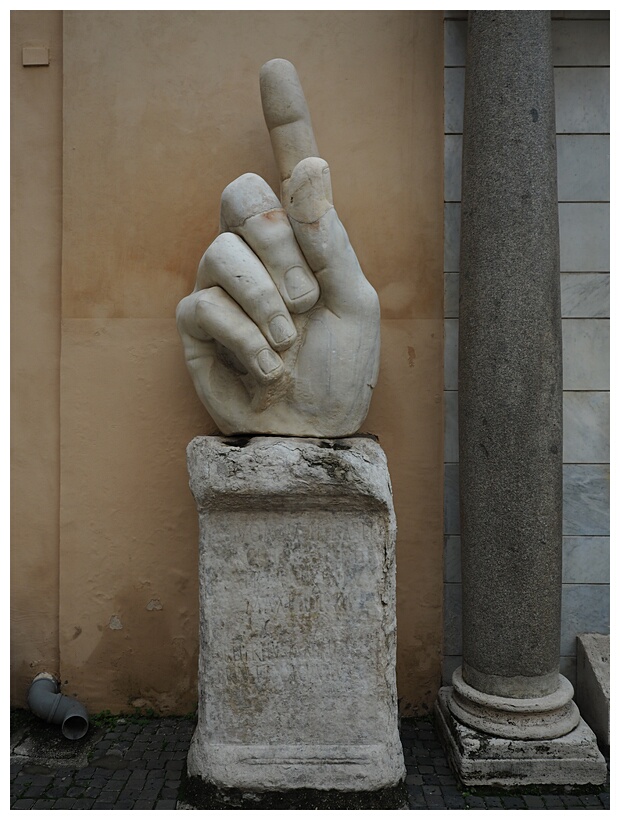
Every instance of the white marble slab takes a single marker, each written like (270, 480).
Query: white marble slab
(451, 354)
(451, 236)
(585, 295)
(584, 236)
(583, 167)
(586, 427)
(454, 100)
(586, 499)
(582, 43)
(452, 619)
(452, 167)
(585, 608)
(585, 354)
(585, 559)
(581, 100)
(455, 42)
(452, 559)
(451, 426)
(452, 524)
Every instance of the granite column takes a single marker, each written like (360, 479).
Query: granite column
(510, 415)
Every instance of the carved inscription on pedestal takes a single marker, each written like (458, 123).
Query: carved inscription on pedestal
(293, 606)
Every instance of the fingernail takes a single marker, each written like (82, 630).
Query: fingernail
(268, 361)
(281, 329)
(297, 282)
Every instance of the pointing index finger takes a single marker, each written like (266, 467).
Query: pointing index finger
(286, 115)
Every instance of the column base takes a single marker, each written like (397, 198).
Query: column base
(525, 718)
(480, 759)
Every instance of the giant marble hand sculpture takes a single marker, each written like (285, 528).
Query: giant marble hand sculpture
(281, 332)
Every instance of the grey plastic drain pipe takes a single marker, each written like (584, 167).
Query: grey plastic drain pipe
(46, 702)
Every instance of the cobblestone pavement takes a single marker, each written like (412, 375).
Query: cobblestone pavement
(139, 764)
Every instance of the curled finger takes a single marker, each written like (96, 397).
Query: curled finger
(212, 315)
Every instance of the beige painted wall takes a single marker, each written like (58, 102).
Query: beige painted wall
(36, 213)
(161, 110)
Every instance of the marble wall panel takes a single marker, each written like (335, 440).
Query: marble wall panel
(583, 167)
(582, 100)
(452, 237)
(585, 295)
(454, 99)
(580, 15)
(586, 427)
(455, 42)
(452, 524)
(451, 296)
(568, 668)
(584, 236)
(450, 663)
(586, 499)
(452, 635)
(450, 354)
(585, 353)
(451, 426)
(585, 559)
(453, 156)
(580, 44)
(585, 608)
(452, 559)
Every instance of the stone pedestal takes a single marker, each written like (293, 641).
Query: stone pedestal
(297, 684)
(509, 717)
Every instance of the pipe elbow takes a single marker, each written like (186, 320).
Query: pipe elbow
(46, 702)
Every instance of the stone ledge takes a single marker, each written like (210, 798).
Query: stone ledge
(479, 759)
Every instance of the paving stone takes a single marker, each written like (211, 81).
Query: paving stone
(56, 791)
(83, 803)
(166, 804)
(101, 805)
(533, 801)
(493, 802)
(454, 801)
(64, 803)
(571, 800)
(23, 804)
(552, 801)
(474, 802)
(43, 803)
(514, 803)
(590, 799)
(144, 805)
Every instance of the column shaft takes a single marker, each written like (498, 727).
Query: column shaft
(510, 360)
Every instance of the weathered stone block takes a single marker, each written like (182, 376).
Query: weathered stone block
(592, 692)
(297, 681)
